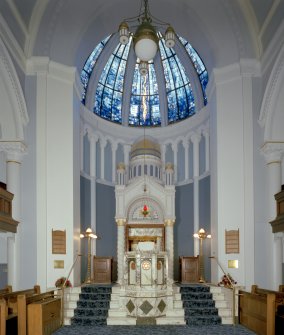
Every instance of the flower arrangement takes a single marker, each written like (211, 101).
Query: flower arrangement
(227, 281)
(60, 282)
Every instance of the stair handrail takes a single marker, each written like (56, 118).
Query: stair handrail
(63, 287)
(226, 274)
(232, 286)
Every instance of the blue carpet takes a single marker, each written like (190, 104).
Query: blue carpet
(154, 330)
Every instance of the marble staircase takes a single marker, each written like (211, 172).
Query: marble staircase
(117, 315)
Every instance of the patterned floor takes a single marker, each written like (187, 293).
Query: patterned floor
(154, 330)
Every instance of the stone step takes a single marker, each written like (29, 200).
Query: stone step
(118, 321)
(170, 321)
(224, 312)
(88, 321)
(203, 320)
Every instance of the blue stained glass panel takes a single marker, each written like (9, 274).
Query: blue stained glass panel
(144, 99)
(180, 102)
(198, 64)
(112, 80)
(89, 65)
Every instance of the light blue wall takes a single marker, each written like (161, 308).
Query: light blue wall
(86, 155)
(106, 225)
(108, 162)
(183, 228)
(85, 199)
(204, 222)
(181, 162)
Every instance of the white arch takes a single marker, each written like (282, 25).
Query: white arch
(271, 98)
(14, 116)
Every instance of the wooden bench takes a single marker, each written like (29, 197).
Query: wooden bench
(9, 305)
(7, 289)
(42, 312)
(257, 309)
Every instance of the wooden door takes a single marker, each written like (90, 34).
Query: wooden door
(189, 269)
(102, 270)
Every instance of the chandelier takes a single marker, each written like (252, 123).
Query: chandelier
(145, 38)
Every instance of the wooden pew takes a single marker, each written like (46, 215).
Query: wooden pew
(39, 314)
(7, 289)
(9, 305)
(257, 309)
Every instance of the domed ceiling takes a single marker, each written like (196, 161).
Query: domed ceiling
(166, 94)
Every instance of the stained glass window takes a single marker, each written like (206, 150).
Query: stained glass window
(89, 66)
(199, 66)
(144, 100)
(108, 96)
(144, 104)
(179, 93)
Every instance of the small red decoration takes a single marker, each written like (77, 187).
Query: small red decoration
(145, 210)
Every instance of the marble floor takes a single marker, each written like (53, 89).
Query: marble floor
(154, 330)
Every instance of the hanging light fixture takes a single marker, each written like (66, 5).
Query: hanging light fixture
(145, 38)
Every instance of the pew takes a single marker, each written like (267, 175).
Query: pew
(9, 304)
(7, 289)
(39, 314)
(257, 309)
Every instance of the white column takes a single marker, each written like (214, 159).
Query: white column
(82, 133)
(103, 144)
(126, 151)
(195, 140)
(175, 150)
(93, 173)
(273, 155)
(13, 180)
(113, 148)
(169, 224)
(93, 154)
(186, 155)
(207, 149)
(120, 249)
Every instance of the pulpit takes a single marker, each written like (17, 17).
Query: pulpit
(102, 267)
(189, 269)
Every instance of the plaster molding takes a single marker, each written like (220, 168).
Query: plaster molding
(273, 152)
(270, 94)
(129, 134)
(11, 80)
(273, 48)
(13, 150)
(12, 44)
(33, 28)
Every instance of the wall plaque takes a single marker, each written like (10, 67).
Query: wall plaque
(58, 264)
(232, 241)
(58, 241)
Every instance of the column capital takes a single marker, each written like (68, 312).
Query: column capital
(14, 150)
(185, 143)
(93, 137)
(278, 236)
(273, 152)
(169, 222)
(114, 146)
(103, 142)
(120, 222)
(195, 138)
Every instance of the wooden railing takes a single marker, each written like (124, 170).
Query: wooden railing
(257, 309)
